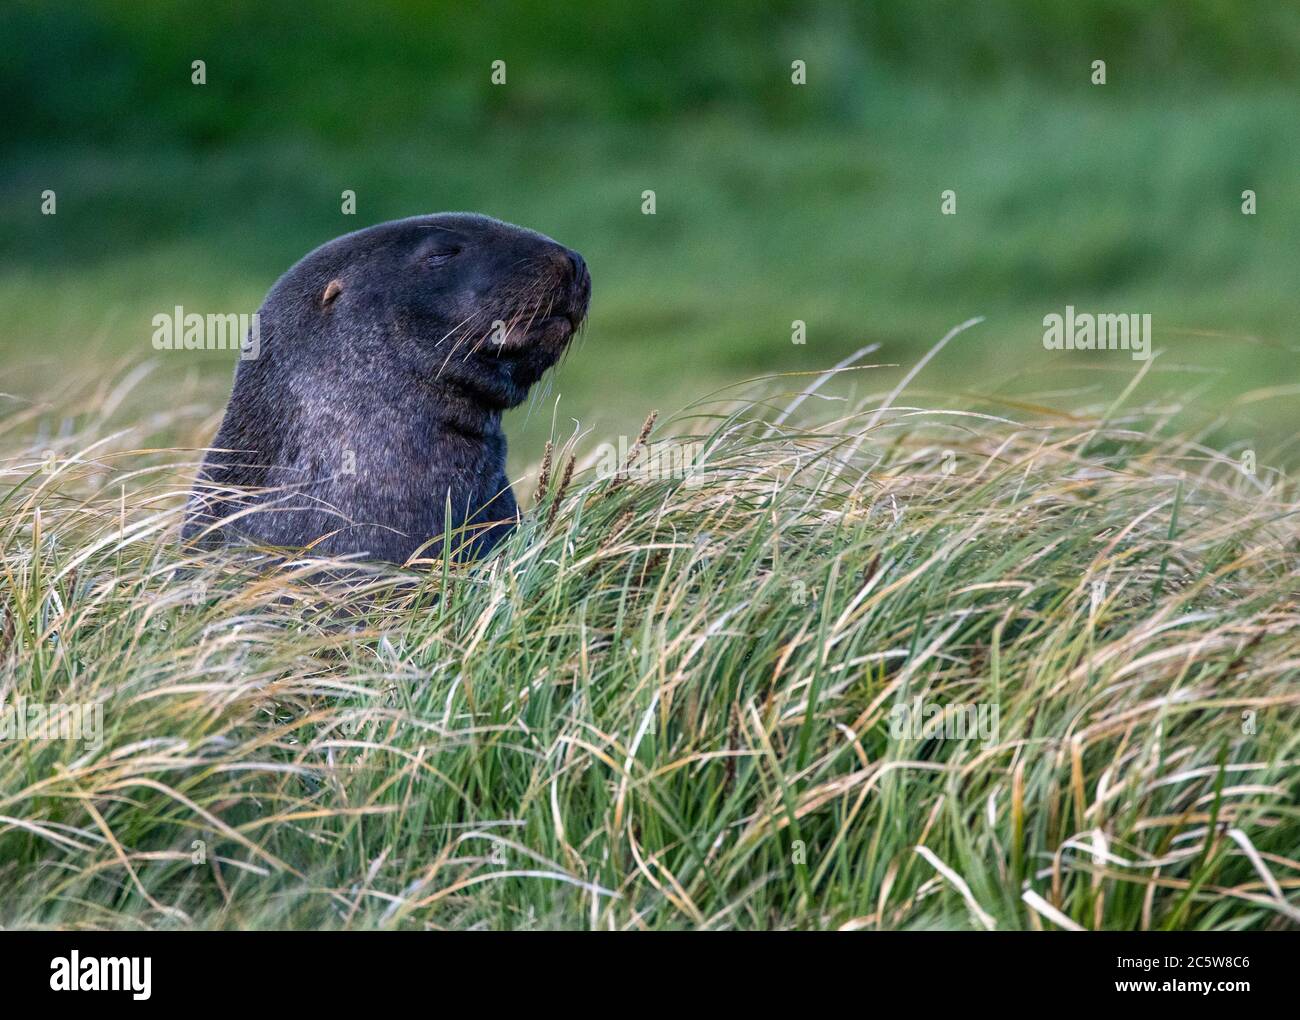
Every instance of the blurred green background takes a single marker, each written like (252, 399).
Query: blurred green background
(775, 202)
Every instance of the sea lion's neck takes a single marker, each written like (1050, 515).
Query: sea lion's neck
(459, 406)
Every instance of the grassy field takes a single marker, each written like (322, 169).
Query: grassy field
(673, 699)
(821, 206)
(676, 701)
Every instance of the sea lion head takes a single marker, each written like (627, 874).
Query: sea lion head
(457, 299)
(369, 420)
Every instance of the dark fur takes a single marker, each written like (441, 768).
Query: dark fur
(401, 367)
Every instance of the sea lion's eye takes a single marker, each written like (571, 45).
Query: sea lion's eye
(438, 258)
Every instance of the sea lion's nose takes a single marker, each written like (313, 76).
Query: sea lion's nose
(581, 278)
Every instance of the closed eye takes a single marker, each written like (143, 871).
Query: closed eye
(438, 258)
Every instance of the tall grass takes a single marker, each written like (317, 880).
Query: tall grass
(669, 702)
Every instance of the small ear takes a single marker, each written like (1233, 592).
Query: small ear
(332, 290)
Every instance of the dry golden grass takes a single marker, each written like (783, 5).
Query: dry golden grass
(668, 702)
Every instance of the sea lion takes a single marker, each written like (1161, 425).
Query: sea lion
(369, 423)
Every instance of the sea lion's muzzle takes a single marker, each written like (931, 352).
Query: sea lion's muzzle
(579, 286)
